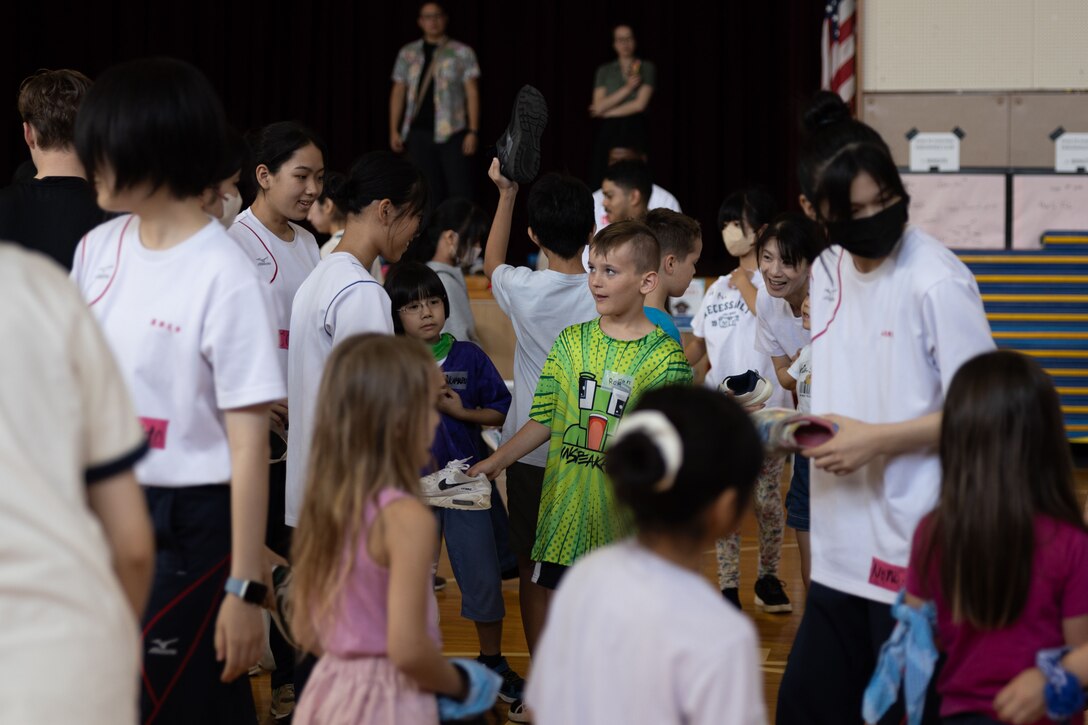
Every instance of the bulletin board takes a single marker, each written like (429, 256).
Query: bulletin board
(1042, 202)
(964, 211)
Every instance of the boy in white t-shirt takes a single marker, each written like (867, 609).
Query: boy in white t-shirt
(540, 305)
(725, 329)
(78, 548)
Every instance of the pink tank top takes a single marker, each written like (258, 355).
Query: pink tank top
(362, 620)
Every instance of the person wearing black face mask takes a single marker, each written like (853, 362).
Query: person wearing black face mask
(873, 237)
(893, 315)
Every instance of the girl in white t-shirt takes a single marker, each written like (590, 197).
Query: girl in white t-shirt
(894, 315)
(188, 321)
(383, 197)
(287, 167)
(786, 250)
(725, 328)
(797, 507)
(635, 633)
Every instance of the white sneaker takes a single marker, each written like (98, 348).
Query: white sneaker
(748, 389)
(450, 488)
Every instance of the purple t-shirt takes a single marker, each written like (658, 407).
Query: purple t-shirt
(980, 663)
(469, 372)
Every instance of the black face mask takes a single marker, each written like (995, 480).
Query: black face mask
(872, 237)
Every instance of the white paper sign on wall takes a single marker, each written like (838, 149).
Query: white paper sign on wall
(1071, 153)
(935, 151)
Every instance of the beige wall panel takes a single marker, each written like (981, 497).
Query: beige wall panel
(947, 45)
(983, 117)
(1061, 53)
(1035, 115)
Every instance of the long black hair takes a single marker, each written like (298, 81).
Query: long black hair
(1004, 461)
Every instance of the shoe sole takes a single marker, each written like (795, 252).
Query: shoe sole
(519, 157)
(773, 608)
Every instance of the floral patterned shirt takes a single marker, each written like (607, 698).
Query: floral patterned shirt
(455, 63)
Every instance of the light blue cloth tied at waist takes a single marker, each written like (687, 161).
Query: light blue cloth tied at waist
(908, 659)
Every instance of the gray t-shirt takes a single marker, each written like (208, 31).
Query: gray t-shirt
(540, 305)
(460, 322)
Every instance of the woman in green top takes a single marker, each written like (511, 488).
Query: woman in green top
(621, 95)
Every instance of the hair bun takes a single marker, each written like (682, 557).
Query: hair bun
(635, 463)
(826, 108)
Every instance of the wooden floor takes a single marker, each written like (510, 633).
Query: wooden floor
(776, 631)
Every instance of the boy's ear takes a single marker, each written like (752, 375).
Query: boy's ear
(533, 236)
(29, 136)
(649, 283)
(668, 263)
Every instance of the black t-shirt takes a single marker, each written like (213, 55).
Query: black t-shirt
(49, 215)
(424, 118)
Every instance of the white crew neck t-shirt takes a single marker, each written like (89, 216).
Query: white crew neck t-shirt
(885, 346)
(339, 299)
(283, 266)
(633, 638)
(780, 333)
(189, 328)
(729, 328)
(540, 305)
(66, 423)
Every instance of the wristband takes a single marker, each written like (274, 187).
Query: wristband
(473, 131)
(250, 592)
(1063, 693)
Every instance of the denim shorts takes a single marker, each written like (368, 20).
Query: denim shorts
(475, 556)
(797, 498)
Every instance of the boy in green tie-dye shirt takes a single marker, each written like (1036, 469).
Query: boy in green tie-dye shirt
(593, 373)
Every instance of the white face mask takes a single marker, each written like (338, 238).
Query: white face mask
(232, 204)
(736, 243)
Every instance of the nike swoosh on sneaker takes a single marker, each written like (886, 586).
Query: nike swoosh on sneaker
(443, 486)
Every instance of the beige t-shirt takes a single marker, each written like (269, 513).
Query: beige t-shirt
(65, 422)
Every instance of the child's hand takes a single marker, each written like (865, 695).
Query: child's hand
(239, 636)
(501, 181)
(450, 403)
(853, 445)
(1022, 700)
(490, 467)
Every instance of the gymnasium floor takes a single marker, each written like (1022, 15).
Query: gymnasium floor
(776, 631)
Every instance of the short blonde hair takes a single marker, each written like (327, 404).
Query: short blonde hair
(645, 251)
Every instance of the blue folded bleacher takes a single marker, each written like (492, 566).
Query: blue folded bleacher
(1037, 303)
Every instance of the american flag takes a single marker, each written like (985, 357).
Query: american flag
(837, 49)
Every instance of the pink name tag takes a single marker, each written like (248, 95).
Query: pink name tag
(155, 428)
(284, 338)
(887, 576)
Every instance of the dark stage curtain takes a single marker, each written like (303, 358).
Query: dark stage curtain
(732, 76)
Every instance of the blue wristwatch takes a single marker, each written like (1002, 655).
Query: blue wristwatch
(248, 591)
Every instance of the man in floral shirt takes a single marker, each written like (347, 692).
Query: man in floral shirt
(434, 109)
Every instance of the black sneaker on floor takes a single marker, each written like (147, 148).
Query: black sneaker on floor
(732, 595)
(518, 148)
(771, 597)
(512, 683)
